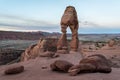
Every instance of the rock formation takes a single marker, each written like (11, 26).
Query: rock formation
(111, 43)
(44, 48)
(60, 65)
(14, 70)
(69, 18)
(93, 63)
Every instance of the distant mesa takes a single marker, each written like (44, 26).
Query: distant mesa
(13, 35)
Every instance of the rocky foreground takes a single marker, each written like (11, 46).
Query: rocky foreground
(39, 68)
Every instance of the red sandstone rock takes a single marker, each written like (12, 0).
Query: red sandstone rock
(14, 70)
(47, 54)
(111, 43)
(93, 63)
(69, 18)
(60, 65)
(45, 47)
(62, 51)
(62, 42)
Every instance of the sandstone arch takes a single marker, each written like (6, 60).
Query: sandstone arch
(69, 19)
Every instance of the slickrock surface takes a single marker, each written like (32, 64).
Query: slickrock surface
(34, 70)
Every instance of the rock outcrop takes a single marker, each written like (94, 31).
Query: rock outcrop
(111, 43)
(93, 63)
(61, 66)
(69, 18)
(44, 48)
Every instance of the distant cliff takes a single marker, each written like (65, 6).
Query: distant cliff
(12, 35)
(20, 35)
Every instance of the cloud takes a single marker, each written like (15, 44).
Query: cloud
(92, 27)
(24, 20)
(17, 23)
(18, 27)
(26, 24)
(8, 28)
(89, 24)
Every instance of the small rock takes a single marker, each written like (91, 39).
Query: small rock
(44, 67)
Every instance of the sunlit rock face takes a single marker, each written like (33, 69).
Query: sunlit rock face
(44, 48)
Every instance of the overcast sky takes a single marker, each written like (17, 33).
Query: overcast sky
(95, 16)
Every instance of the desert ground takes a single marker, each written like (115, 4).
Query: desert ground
(39, 68)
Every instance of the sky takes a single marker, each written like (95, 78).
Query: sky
(95, 16)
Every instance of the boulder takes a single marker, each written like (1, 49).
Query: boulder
(61, 66)
(14, 70)
(93, 63)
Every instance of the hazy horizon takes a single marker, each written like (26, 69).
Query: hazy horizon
(94, 16)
